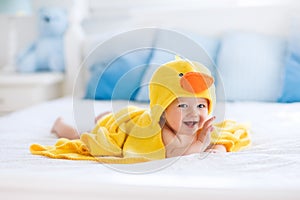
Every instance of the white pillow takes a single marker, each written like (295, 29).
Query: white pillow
(251, 66)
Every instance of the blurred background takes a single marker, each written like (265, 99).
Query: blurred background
(105, 17)
(43, 42)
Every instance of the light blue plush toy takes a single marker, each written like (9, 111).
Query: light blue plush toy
(46, 53)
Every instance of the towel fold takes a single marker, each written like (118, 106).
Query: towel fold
(77, 150)
(234, 136)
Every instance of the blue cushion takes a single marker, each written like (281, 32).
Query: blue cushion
(119, 78)
(291, 91)
(250, 66)
(161, 56)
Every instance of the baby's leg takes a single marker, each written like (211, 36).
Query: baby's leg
(63, 130)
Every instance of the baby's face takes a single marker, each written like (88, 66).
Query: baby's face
(186, 115)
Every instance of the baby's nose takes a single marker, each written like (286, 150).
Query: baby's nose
(193, 111)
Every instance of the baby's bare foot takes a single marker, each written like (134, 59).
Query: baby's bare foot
(63, 130)
(54, 127)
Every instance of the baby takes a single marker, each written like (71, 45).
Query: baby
(182, 96)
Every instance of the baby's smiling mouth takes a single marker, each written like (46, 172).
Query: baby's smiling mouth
(190, 124)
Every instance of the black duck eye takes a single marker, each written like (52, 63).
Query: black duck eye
(180, 74)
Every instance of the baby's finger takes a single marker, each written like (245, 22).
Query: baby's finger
(208, 122)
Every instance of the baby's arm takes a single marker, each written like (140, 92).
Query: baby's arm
(217, 148)
(196, 147)
(178, 145)
(203, 138)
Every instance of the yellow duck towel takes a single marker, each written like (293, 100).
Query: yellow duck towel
(77, 150)
(108, 142)
(134, 134)
(232, 135)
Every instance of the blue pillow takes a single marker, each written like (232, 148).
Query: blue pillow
(251, 66)
(160, 56)
(119, 78)
(291, 91)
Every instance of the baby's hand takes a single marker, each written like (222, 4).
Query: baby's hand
(204, 133)
(217, 148)
(213, 151)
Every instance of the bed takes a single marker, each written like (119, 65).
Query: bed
(268, 169)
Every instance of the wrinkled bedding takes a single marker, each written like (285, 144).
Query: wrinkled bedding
(271, 164)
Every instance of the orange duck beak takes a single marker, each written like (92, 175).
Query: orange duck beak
(196, 82)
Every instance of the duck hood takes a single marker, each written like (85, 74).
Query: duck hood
(179, 78)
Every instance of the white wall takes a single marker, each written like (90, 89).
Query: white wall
(115, 15)
(265, 16)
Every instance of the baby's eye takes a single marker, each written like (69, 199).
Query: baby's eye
(182, 105)
(201, 106)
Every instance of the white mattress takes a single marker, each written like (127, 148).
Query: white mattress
(269, 169)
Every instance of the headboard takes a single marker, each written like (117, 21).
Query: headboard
(207, 17)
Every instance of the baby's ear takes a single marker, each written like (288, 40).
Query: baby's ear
(163, 115)
(162, 119)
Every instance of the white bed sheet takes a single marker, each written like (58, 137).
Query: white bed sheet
(270, 168)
